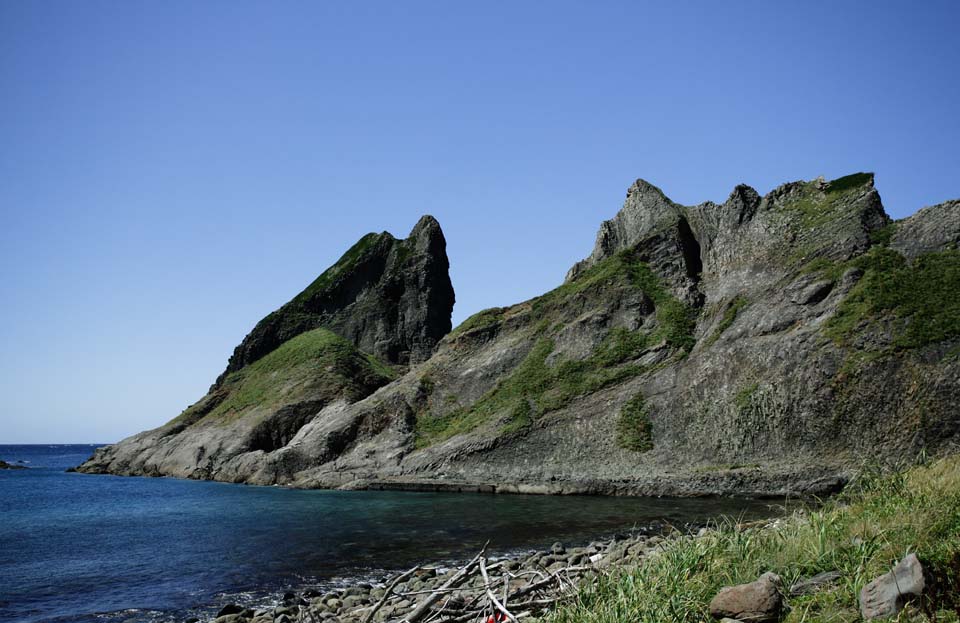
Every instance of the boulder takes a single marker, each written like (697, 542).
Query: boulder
(230, 609)
(759, 601)
(888, 594)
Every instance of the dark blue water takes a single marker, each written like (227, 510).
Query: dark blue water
(77, 547)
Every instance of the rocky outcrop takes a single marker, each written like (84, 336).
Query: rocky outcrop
(391, 298)
(888, 594)
(764, 345)
(386, 303)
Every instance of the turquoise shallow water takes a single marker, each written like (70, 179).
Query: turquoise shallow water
(76, 547)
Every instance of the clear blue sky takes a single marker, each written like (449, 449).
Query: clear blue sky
(170, 172)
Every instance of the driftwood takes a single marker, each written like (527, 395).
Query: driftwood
(423, 607)
(387, 592)
(471, 594)
(493, 598)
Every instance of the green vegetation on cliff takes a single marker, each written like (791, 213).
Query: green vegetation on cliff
(634, 431)
(535, 388)
(314, 365)
(676, 321)
(818, 205)
(480, 320)
(920, 296)
(878, 520)
(347, 262)
(734, 307)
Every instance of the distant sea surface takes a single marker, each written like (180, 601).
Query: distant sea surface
(85, 548)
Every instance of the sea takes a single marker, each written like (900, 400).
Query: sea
(96, 548)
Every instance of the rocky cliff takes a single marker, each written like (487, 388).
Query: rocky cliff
(763, 345)
(384, 304)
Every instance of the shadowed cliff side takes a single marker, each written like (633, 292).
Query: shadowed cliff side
(384, 304)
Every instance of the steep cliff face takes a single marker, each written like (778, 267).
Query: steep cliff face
(763, 345)
(385, 304)
(391, 298)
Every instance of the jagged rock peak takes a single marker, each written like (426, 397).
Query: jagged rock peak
(427, 226)
(391, 298)
(647, 213)
(645, 209)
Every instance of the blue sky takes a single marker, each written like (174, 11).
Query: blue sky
(173, 171)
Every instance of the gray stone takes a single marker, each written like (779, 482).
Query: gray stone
(931, 229)
(814, 583)
(759, 601)
(813, 293)
(886, 595)
(230, 609)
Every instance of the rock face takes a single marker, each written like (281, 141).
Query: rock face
(759, 601)
(391, 298)
(386, 303)
(762, 346)
(887, 595)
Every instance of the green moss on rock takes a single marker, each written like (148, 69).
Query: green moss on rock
(535, 388)
(347, 262)
(317, 364)
(634, 431)
(921, 296)
(480, 320)
(734, 307)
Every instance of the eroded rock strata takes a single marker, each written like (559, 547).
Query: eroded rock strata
(764, 345)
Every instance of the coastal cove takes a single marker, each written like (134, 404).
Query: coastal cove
(76, 547)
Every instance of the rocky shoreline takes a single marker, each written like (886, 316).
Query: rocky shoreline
(533, 582)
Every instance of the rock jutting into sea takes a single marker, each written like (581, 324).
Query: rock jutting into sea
(762, 345)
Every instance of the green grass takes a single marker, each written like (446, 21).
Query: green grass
(743, 397)
(849, 182)
(533, 388)
(634, 431)
(345, 264)
(884, 235)
(530, 378)
(480, 320)
(817, 209)
(921, 296)
(878, 520)
(734, 307)
(314, 364)
(676, 321)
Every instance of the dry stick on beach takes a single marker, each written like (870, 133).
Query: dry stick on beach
(493, 598)
(387, 592)
(424, 606)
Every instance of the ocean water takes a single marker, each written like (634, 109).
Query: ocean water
(76, 547)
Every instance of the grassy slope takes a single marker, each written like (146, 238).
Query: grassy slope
(534, 388)
(315, 364)
(921, 295)
(861, 534)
